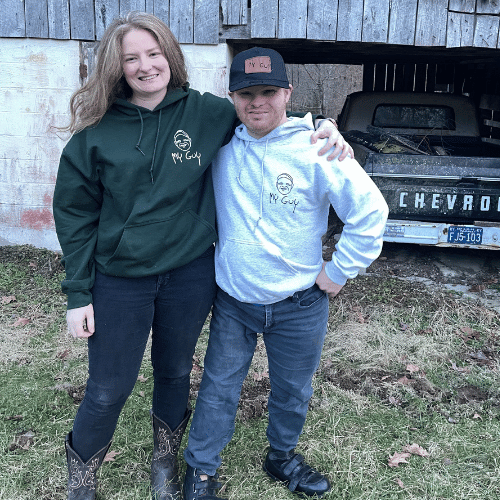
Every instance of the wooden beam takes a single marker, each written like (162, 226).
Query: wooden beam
(390, 78)
(105, 12)
(88, 59)
(368, 77)
(375, 21)
(350, 20)
(420, 77)
(488, 140)
(37, 22)
(466, 6)
(488, 7)
(241, 32)
(234, 12)
(431, 78)
(402, 20)
(264, 22)
(322, 20)
(12, 20)
(82, 19)
(380, 77)
(127, 6)
(432, 16)
(399, 76)
(492, 123)
(460, 31)
(292, 19)
(206, 22)
(486, 32)
(161, 9)
(181, 20)
(58, 16)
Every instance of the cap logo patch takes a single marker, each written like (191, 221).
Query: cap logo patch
(259, 64)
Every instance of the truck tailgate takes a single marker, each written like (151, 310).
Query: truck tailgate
(436, 188)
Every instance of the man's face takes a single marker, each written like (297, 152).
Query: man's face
(261, 108)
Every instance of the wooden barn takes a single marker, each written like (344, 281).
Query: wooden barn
(417, 45)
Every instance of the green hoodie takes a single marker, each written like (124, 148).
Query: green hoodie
(133, 195)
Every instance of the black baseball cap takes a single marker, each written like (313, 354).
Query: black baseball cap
(257, 66)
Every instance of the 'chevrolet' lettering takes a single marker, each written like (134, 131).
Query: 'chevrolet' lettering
(451, 201)
(441, 201)
(485, 203)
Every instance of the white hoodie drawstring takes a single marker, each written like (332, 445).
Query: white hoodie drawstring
(262, 187)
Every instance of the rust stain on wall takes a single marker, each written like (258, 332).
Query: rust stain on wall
(37, 219)
(40, 218)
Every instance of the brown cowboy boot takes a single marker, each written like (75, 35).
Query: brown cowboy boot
(82, 482)
(164, 469)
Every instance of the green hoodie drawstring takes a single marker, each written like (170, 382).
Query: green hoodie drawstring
(154, 149)
(140, 136)
(137, 146)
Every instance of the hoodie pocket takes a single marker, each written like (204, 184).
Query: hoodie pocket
(253, 258)
(253, 262)
(153, 247)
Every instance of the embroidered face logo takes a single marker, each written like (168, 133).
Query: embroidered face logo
(284, 183)
(182, 140)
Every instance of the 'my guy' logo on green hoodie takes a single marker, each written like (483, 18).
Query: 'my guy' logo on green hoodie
(183, 142)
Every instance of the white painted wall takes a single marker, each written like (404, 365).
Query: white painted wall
(208, 67)
(36, 82)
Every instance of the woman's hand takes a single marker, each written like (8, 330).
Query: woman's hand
(327, 129)
(81, 321)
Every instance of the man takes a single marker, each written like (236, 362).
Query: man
(272, 197)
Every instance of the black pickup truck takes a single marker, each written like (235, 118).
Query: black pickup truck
(425, 153)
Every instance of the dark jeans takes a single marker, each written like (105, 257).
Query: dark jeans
(174, 305)
(294, 330)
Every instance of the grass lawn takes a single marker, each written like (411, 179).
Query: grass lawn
(406, 403)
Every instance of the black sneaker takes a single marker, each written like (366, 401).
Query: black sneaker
(289, 467)
(194, 487)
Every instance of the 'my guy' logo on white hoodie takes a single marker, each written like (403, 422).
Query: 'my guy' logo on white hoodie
(284, 184)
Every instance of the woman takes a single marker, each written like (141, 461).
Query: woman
(134, 213)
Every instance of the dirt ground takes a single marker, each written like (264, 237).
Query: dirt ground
(471, 272)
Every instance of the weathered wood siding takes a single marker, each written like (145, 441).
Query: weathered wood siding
(423, 23)
(321, 88)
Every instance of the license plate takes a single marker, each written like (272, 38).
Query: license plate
(465, 235)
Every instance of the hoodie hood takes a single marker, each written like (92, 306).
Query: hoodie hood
(129, 109)
(259, 146)
(291, 126)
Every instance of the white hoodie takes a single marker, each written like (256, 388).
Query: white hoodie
(272, 198)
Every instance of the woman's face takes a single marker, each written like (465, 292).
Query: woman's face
(145, 68)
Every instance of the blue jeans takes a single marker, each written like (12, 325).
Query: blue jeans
(294, 331)
(174, 305)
